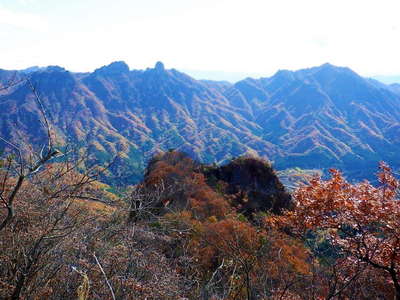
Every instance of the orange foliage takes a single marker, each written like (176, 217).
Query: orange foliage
(250, 259)
(361, 220)
(188, 187)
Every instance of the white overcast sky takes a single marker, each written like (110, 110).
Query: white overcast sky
(243, 36)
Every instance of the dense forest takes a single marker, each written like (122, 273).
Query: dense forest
(193, 231)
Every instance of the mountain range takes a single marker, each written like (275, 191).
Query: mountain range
(316, 118)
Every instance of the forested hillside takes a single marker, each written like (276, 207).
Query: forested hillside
(192, 231)
(314, 118)
(93, 208)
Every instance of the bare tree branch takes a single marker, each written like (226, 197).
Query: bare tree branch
(105, 276)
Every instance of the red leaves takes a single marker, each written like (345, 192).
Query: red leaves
(363, 220)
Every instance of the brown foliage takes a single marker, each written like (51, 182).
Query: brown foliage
(187, 188)
(238, 260)
(48, 250)
(71, 239)
(362, 221)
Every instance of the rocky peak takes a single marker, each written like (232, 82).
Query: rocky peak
(159, 66)
(327, 66)
(331, 70)
(253, 184)
(115, 68)
(283, 76)
(55, 69)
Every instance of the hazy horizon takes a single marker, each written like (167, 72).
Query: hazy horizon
(231, 77)
(202, 37)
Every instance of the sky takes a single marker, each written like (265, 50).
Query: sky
(206, 38)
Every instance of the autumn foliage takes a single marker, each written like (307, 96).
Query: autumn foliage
(361, 221)
(181, 235)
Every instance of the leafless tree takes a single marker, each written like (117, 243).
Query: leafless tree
(146, 202)
(41, 195)
(22, 165)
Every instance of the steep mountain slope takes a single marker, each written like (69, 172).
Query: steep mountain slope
(136, 113)
(326, 115)
(314, 118)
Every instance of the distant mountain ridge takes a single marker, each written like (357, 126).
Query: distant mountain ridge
(320, 117)
(388, 79)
